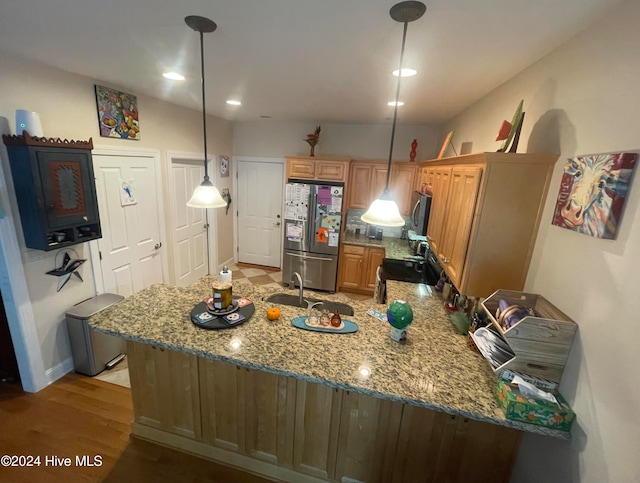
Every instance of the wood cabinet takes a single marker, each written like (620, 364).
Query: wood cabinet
(402, 184)
(367, 180)
(358, 266)
(292, 430)
(55, 190)
(167, 390)
(485, 215)
(322, 169)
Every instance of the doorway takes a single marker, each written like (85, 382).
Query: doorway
(193, 249)
(260, 189)
(131, 250)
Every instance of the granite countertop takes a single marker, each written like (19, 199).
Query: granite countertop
(394, 247)
(434, 368)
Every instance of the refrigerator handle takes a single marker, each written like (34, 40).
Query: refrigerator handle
(306, 257)
(313, 209)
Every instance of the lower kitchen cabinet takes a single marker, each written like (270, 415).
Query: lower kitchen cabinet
(223, 404)
(358, 266)
(166, 394)
(300, 431)
(317, 422)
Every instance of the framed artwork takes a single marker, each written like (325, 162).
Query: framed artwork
(224, 166)
(446, 142)
(592, 193)
(117, 114)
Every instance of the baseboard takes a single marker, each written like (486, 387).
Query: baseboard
(228, 262)
(59, 370)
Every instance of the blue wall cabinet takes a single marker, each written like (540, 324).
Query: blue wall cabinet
(56, 191)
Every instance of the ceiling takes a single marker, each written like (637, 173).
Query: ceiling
(297, 60)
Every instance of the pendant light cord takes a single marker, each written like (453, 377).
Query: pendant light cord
(204, 128)
(204, 110)
(395, 109)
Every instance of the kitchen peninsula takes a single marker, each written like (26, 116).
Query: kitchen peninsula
(298, 405)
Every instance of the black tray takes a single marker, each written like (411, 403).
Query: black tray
(202, 317)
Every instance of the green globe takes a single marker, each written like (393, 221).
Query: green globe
(399, 314)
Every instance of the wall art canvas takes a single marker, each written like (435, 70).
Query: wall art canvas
(224, 166)
(117, 114)
(592, 193)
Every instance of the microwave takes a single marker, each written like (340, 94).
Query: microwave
(419, 218)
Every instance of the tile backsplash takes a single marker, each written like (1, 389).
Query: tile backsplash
(354, 222)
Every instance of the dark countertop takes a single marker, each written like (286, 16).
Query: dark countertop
(434, 368)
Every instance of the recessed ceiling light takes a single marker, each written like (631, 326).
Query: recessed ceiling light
(406, 72)
(231, 102)
(393, 103)
(173, 76)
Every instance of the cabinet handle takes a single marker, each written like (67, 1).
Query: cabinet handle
(157, 246)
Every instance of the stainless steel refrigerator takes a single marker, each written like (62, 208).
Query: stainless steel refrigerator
(312, 222)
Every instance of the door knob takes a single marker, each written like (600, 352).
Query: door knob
(157, 246)
(276, 223)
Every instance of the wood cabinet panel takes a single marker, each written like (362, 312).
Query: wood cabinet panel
(221, 390)
(316, 429)
(402, 184)
(300, 168)
(374, 260)
(459, 215)
(358, 266)
(368, 435)
(350, 270)
(331, 170)
(439, 179)
(167, 391)
(269, 410)
(359, 182)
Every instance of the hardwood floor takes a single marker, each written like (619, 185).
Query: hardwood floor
(79, 416)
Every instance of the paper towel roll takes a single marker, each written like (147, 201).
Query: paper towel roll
(225, 276)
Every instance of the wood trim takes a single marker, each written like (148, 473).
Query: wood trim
(219, 455)
(27, 140)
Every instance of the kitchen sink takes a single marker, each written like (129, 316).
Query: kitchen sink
(294, 301)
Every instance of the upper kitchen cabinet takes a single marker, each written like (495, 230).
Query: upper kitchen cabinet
(368, 179)
(55, 190)
(485, 215)
(321, 169)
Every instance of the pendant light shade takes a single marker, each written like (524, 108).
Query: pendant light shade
(206, 195)
(384, 210)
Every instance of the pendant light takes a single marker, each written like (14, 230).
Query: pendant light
(206, 195)
(384, 210)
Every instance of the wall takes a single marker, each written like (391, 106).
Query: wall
(581, 99)
(361, 141)
(67, 109)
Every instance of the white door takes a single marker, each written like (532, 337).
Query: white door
(130, 247)
(260, 191)
(189, 225)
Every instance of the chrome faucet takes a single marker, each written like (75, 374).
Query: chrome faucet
(292, 284)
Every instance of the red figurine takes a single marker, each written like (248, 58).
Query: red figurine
(412, 155)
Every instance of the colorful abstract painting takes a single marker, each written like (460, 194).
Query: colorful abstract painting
(592, 193)
(117, 114)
